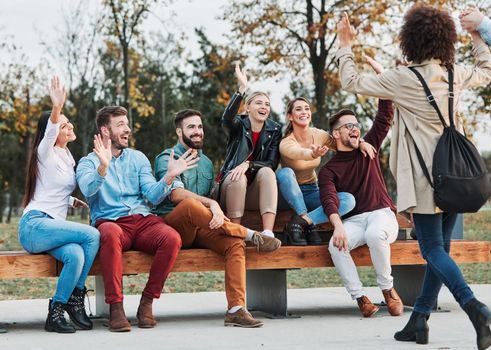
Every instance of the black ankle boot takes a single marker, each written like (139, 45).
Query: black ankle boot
(294, 231)
(312, 236)
(55, 322)
(480, 316)
(415, 330)
(76, 309)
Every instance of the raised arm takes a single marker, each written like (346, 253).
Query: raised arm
(229, 121)
(383, 85)
(472, 20)
(57, 93)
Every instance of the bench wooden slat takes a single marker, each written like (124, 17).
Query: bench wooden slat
(22, 264)
(19, 264)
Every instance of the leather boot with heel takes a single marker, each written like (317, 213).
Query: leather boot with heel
(294, 231)
(56, 322)
(415, 330)
(76, 309)
(480, 316)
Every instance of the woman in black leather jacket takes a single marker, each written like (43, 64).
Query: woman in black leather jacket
(247, 178)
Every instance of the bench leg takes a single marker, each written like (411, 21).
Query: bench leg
(408, 281)
(267, 292)
(101, 308)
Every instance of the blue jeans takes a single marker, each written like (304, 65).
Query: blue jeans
(434, 232)
(305, 199)
(74, 244)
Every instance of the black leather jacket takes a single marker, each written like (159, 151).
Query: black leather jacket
(239, 143)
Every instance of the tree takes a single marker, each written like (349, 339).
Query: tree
(285, 36)
(125, 17)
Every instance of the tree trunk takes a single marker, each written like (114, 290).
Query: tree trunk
(126, 69)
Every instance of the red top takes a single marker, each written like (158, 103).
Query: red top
(255, 137)
(361, 176)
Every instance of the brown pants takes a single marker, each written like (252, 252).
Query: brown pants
(191, 219)
(261, 194)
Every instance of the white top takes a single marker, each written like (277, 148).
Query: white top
(56, 176)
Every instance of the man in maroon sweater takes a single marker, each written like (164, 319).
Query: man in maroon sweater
(373, 220)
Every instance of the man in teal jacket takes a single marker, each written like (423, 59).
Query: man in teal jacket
(201, 222)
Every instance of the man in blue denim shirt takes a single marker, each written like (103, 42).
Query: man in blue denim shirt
(201, 221)
(116, 181)
(472, 20)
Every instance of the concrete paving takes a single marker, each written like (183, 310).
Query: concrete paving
(329, 320)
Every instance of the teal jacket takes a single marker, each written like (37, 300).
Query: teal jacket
(198, 180)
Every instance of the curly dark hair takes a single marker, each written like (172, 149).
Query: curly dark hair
(428, 33)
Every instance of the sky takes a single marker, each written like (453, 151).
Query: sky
(30, 21)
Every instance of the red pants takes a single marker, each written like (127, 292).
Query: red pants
(148, 234)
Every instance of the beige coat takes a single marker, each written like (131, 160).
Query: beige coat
(415, 118)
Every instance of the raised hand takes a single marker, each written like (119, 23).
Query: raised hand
(176, 167)
(377, 67)
(57, 92)
(318, 151)
(470, 19)
(103, 151)
(241, 77)
(345, 31)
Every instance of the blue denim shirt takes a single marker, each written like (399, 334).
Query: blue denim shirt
(484, 29)
(122, 192)
(198, 180)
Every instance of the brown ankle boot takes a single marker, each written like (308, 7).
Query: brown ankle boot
(393, 301)
(117, 318)
(144, 313)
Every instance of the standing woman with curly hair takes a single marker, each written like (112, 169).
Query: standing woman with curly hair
(43, 227)
(427, 40)
(247, 178)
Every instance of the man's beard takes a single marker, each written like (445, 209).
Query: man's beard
(347, 143)
(115, 142)
(190, 143)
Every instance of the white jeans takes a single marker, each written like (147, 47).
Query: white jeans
(377, 229)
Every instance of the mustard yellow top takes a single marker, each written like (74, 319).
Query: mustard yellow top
(299, 158)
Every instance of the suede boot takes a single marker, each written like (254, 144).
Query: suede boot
(56, 322)
(480, 316)
(117, 319)
(415, 330)
(76, 309)
(144, 313)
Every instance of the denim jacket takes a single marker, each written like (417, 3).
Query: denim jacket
(198, 180)
(123, 190)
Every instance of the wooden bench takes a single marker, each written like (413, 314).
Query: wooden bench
(266, 272)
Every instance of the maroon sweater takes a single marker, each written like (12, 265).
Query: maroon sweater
(361, 176)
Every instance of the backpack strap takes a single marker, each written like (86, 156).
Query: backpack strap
(450, 98)
(431, 98)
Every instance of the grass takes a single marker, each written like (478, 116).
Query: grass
(476, 227)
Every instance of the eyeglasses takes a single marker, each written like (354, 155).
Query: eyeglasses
(350, 126)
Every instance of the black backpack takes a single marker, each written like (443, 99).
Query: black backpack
(461, 183)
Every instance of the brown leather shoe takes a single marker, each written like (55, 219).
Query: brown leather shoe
(144, 313)
(393, 301)
(117, 318)
(367, 308)
(265, 243)
(241, 318)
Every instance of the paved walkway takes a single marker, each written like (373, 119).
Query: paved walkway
(329, 320)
